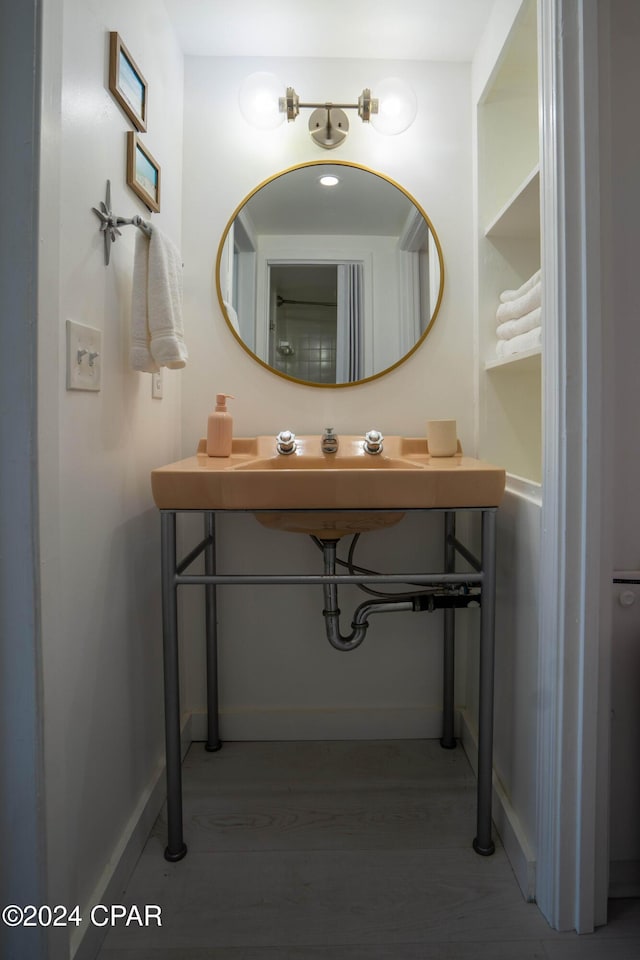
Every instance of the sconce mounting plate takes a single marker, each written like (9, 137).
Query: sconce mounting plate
(328, 126)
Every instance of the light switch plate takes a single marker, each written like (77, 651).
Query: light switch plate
(84, 357)
(156, 385)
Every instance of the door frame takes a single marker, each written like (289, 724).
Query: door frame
(575, 630)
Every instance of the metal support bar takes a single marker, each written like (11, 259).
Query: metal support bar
(321, 579)
(483, 843)
(466, 554)
(193, 554)
(448, 740)
(211, 627)
(176, 847)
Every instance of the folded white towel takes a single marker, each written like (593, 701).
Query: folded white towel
(513, 328)
(507, 295)
(526, 341)
(524, 304)
(141, 358)
(156, 305)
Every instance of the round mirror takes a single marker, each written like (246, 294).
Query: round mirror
(330, 274)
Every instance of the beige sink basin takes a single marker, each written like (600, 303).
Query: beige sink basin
(302, 461)
(256, 478)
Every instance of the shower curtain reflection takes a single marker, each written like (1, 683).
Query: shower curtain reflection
(350, 359)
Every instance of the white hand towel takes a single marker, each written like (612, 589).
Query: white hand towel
(526, 341)
(513, 328)
(141, 358)
(507, 295)
(517, 308)
(157, 330)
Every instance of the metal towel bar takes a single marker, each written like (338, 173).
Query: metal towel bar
(109, 223)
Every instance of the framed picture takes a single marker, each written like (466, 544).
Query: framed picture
(126, 82)
(143, 172)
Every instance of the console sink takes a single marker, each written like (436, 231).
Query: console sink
(256, 478)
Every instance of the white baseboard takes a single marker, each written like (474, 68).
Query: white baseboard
(376, 723)
(86, 940)
(505, 819)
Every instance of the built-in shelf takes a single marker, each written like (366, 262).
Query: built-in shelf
(508, 245)
(532, 355)
(520, 216)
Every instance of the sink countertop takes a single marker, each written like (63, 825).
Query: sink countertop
(255, 477)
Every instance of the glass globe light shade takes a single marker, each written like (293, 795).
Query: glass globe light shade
(397, 106)
(259, 98)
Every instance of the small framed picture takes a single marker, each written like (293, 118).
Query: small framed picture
(126, 82)
(143, 172)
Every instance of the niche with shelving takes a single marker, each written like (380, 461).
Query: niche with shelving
(509, 247)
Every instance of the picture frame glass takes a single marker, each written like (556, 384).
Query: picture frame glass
(130, 85)
(146, 174)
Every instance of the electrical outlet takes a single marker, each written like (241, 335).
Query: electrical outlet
(156, 385)
(84, 357)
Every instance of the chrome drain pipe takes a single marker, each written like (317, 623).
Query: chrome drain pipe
(360, 623)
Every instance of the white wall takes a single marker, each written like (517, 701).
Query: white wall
(279, 677)
(99, 529)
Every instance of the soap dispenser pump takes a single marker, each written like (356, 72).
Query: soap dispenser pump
(220, 428)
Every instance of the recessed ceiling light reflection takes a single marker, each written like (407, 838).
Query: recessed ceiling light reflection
(329, 181)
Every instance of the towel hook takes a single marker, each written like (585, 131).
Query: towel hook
(109, 223)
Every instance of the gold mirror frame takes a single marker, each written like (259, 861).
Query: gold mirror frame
(325, 163)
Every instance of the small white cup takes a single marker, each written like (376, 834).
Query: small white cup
(443, 438)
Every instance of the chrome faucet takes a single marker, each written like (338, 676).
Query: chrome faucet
(329, 442)
(373, 441)
(286, 442)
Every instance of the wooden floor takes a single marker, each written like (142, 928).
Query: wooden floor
(341, 851)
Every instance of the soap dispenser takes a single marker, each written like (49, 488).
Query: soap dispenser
(220, 428)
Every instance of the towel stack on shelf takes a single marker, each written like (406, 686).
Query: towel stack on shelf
(519, 318)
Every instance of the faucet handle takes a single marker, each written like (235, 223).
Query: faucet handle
(373, 441)
(286, 442)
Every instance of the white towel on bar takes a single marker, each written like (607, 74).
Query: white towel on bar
(513, 309)
(157, 338)
(526, 341)
(507, 295)
(513, 328)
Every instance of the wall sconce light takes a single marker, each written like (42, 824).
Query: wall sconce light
(392, 111)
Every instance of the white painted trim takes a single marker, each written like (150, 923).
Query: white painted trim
(341, 723)
(505, 818)
(408, 300)
(570, 810)
(87, 939)
(551, 547)
(524, 489)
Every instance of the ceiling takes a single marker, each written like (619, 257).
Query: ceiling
(362, 203)
(356, 29)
